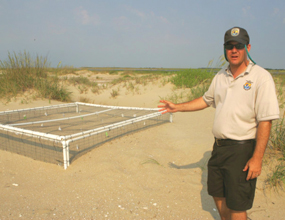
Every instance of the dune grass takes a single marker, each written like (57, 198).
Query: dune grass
(191, 78)
(276, 179)
(139, 77)
(193, 83)
(21, 73)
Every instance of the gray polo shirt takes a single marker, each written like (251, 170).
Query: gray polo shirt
(242, 102)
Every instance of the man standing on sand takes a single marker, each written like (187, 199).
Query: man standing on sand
(245, 100)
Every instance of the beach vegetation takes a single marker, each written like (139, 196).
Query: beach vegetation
(151, 161)
(63, 70)
(21, 73)
(197, 80)
(276, 144)
(191, 78)
(279, 80)
(114, 72)
(84, 99)
(95, 89)
(81, 80)
(114, 93)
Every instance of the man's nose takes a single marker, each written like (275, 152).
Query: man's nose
(234, 50)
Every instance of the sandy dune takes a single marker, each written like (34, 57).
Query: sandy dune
(158, 173)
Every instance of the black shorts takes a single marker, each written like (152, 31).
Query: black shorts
(226, 177)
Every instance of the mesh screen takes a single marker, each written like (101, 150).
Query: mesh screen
(92, 124)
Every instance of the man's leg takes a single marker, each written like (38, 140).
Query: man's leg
(238, 215)
(226, 213)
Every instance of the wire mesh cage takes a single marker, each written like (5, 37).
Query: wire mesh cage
(61, 133)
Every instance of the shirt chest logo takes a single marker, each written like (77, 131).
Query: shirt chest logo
(247, 85)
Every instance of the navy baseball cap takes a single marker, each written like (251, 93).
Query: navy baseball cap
(237, 34)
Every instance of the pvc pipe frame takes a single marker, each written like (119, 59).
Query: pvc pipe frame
(60, 119)
(74, 137)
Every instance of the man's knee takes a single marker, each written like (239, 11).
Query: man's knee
(224, 211)
(238, 215)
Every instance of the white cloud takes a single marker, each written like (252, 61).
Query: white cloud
(84, 18)
(150, 17)
(245, 10)
(163, 19)
(56, 29)
(283, 20)
(136, 19)
(136, 12)
(122, 23)
(276, 11)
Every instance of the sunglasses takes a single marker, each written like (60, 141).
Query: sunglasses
(238, 46)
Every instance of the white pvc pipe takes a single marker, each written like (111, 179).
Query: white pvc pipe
(109, 127)
(39, 108)
(115, 124)
(118, 107)
(64, 155)
(60, 119)
(30, 133)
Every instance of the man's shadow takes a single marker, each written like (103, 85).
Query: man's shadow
(207, 201)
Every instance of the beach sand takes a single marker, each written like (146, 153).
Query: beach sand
(157, 173)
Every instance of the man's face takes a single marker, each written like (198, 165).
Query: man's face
(237, 57)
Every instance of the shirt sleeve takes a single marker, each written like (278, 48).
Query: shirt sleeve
(266, 104)
(209, 95)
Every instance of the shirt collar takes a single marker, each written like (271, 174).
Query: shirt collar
(247, 70)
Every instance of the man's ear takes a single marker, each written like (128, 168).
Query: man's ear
(248, 47)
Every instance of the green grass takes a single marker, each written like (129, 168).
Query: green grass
(114, 93)
(277, 144)
(21, 73)
(277, 179)
(83, 84)
(277, 138)
(279, 80)
(191, 77)
(138, 77)
(151, 161)
(197, 80)
(82, 80)
(63, 70)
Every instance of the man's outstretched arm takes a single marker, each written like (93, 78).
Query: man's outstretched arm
(194, 105)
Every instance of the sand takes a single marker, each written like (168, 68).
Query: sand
(158, 173)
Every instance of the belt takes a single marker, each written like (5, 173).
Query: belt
(224, 142)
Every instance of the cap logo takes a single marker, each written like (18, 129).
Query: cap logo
(235, 32)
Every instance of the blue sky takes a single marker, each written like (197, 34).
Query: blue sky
(145, 33)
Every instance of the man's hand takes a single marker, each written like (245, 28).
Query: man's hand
(254, 168)
(194, 105)
(167, 107)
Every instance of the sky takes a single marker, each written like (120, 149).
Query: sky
(140, 33)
